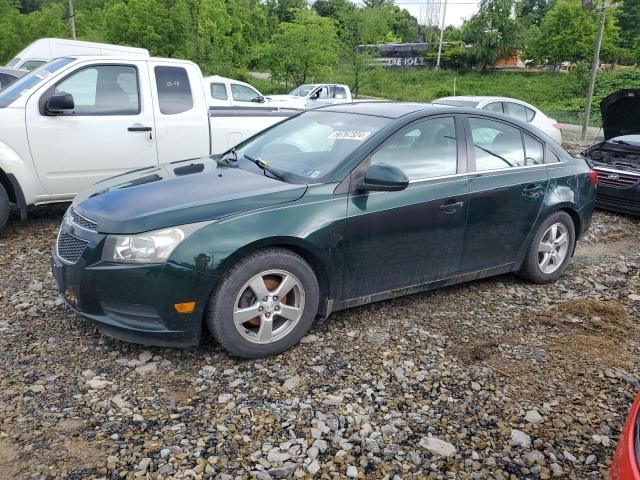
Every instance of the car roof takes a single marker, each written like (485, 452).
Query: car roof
(380, 109)
(480, 99)
(13, 71)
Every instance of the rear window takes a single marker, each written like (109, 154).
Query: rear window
(174, 90)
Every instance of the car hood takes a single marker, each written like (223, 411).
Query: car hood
(177, 194)
(621, 113)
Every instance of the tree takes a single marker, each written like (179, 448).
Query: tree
(301, 49)
(361, 26)
(12, 28)
(629, 23)
(493, 33)
(568, 33)
(532, 12)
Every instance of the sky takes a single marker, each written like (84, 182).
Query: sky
(457, 10)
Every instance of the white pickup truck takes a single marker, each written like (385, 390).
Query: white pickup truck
(226, 92)
(77, 120)
(313, 96)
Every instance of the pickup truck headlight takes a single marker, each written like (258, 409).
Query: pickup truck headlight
(149, 247)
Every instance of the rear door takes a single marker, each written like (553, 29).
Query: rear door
(108, 132)
(181, 111)
(507, 182)
(403, 239)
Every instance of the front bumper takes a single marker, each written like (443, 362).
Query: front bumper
(624, 465)
(618, 191)
(134, 303)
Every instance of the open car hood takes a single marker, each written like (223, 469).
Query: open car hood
(621, 113)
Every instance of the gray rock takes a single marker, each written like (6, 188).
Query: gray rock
(520, 439)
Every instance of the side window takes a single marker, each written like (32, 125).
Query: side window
(32, 64)
(5, 80)
(494, 107)
(242, 93)
(531, 114)
(496, 145)
(341, 93)
(219, 91)
(103, 90)
(174, 90)
(425, 149)
(517, 111)
(324, 93)
(534, 150)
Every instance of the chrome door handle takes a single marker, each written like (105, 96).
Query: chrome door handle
(451, 206)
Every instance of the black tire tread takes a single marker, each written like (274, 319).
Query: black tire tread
(4, 207)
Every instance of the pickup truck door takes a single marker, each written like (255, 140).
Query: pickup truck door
(109, 131)
(181, 111)
(325, 95)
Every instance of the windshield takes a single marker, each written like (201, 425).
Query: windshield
(308, 147)
(15, 90)
(302, 90)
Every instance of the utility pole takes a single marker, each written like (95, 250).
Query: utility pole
(72, 17)
(594, 71)
(444, 16)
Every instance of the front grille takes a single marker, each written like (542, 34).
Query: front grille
(81, 221)
(608, 200)
(70, 247)
(616, 179)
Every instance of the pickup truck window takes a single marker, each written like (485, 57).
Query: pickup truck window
(341, 93)
(30, 80)
(219, 91)
(103, 90)
(174, 90)
(242, 93)
(32, 64)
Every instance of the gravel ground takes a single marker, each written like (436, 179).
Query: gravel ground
(496, 379)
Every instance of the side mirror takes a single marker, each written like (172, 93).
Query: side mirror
(258, 99)
(383, 178)
(59, 103)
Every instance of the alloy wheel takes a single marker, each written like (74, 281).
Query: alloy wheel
(553, 248)
(269, 306)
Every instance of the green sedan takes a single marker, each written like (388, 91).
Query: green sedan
(335, 207)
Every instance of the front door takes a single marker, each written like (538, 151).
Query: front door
(507, 185)
(108, 132)
(402, 239)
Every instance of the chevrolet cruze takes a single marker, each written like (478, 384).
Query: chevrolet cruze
(335, 207)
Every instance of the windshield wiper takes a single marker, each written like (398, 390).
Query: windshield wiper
(264, 166)
(620, 142)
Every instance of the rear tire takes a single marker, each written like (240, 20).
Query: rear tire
(550, 249)
(264, 304)
(4, 207)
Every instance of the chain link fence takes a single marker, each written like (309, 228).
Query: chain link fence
(571, 126)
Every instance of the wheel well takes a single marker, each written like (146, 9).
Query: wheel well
(8, 186)
(576, 219)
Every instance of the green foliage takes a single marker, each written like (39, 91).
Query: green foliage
(493, 32)
(629, 23)
(302, 49)
(568, 34)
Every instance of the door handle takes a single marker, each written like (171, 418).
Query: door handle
(451, 206)
(139, 128)
(532, 190)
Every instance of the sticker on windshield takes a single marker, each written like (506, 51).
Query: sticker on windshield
(311, 173)
(42, 74)
(357, 135)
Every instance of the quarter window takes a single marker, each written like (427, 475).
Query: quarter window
(103, 90)
(174, 90)
(423, 150)
(531, 113)
(517, 111)
(242, 93)
(219, 91)
(534, 150)
(496, 145)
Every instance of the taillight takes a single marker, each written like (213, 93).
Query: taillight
(593, 176)
(557, 126)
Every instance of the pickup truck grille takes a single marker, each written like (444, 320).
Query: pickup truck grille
(81, 221)
(70, 247)
(616, 179)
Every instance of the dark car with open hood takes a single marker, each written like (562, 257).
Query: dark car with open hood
(617, 158)
(333, 208)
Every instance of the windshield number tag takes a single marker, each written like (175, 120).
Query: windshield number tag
(350, 135)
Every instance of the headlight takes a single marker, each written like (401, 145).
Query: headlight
(149, 247)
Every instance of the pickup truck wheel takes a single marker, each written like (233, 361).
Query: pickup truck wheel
(264, 304)
(550, 249)
(4, 207)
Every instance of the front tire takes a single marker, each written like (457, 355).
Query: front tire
(550, 249)
(264, 304)
(4, 207)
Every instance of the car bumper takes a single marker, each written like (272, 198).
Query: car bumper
(625, 461)
(135, 303)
